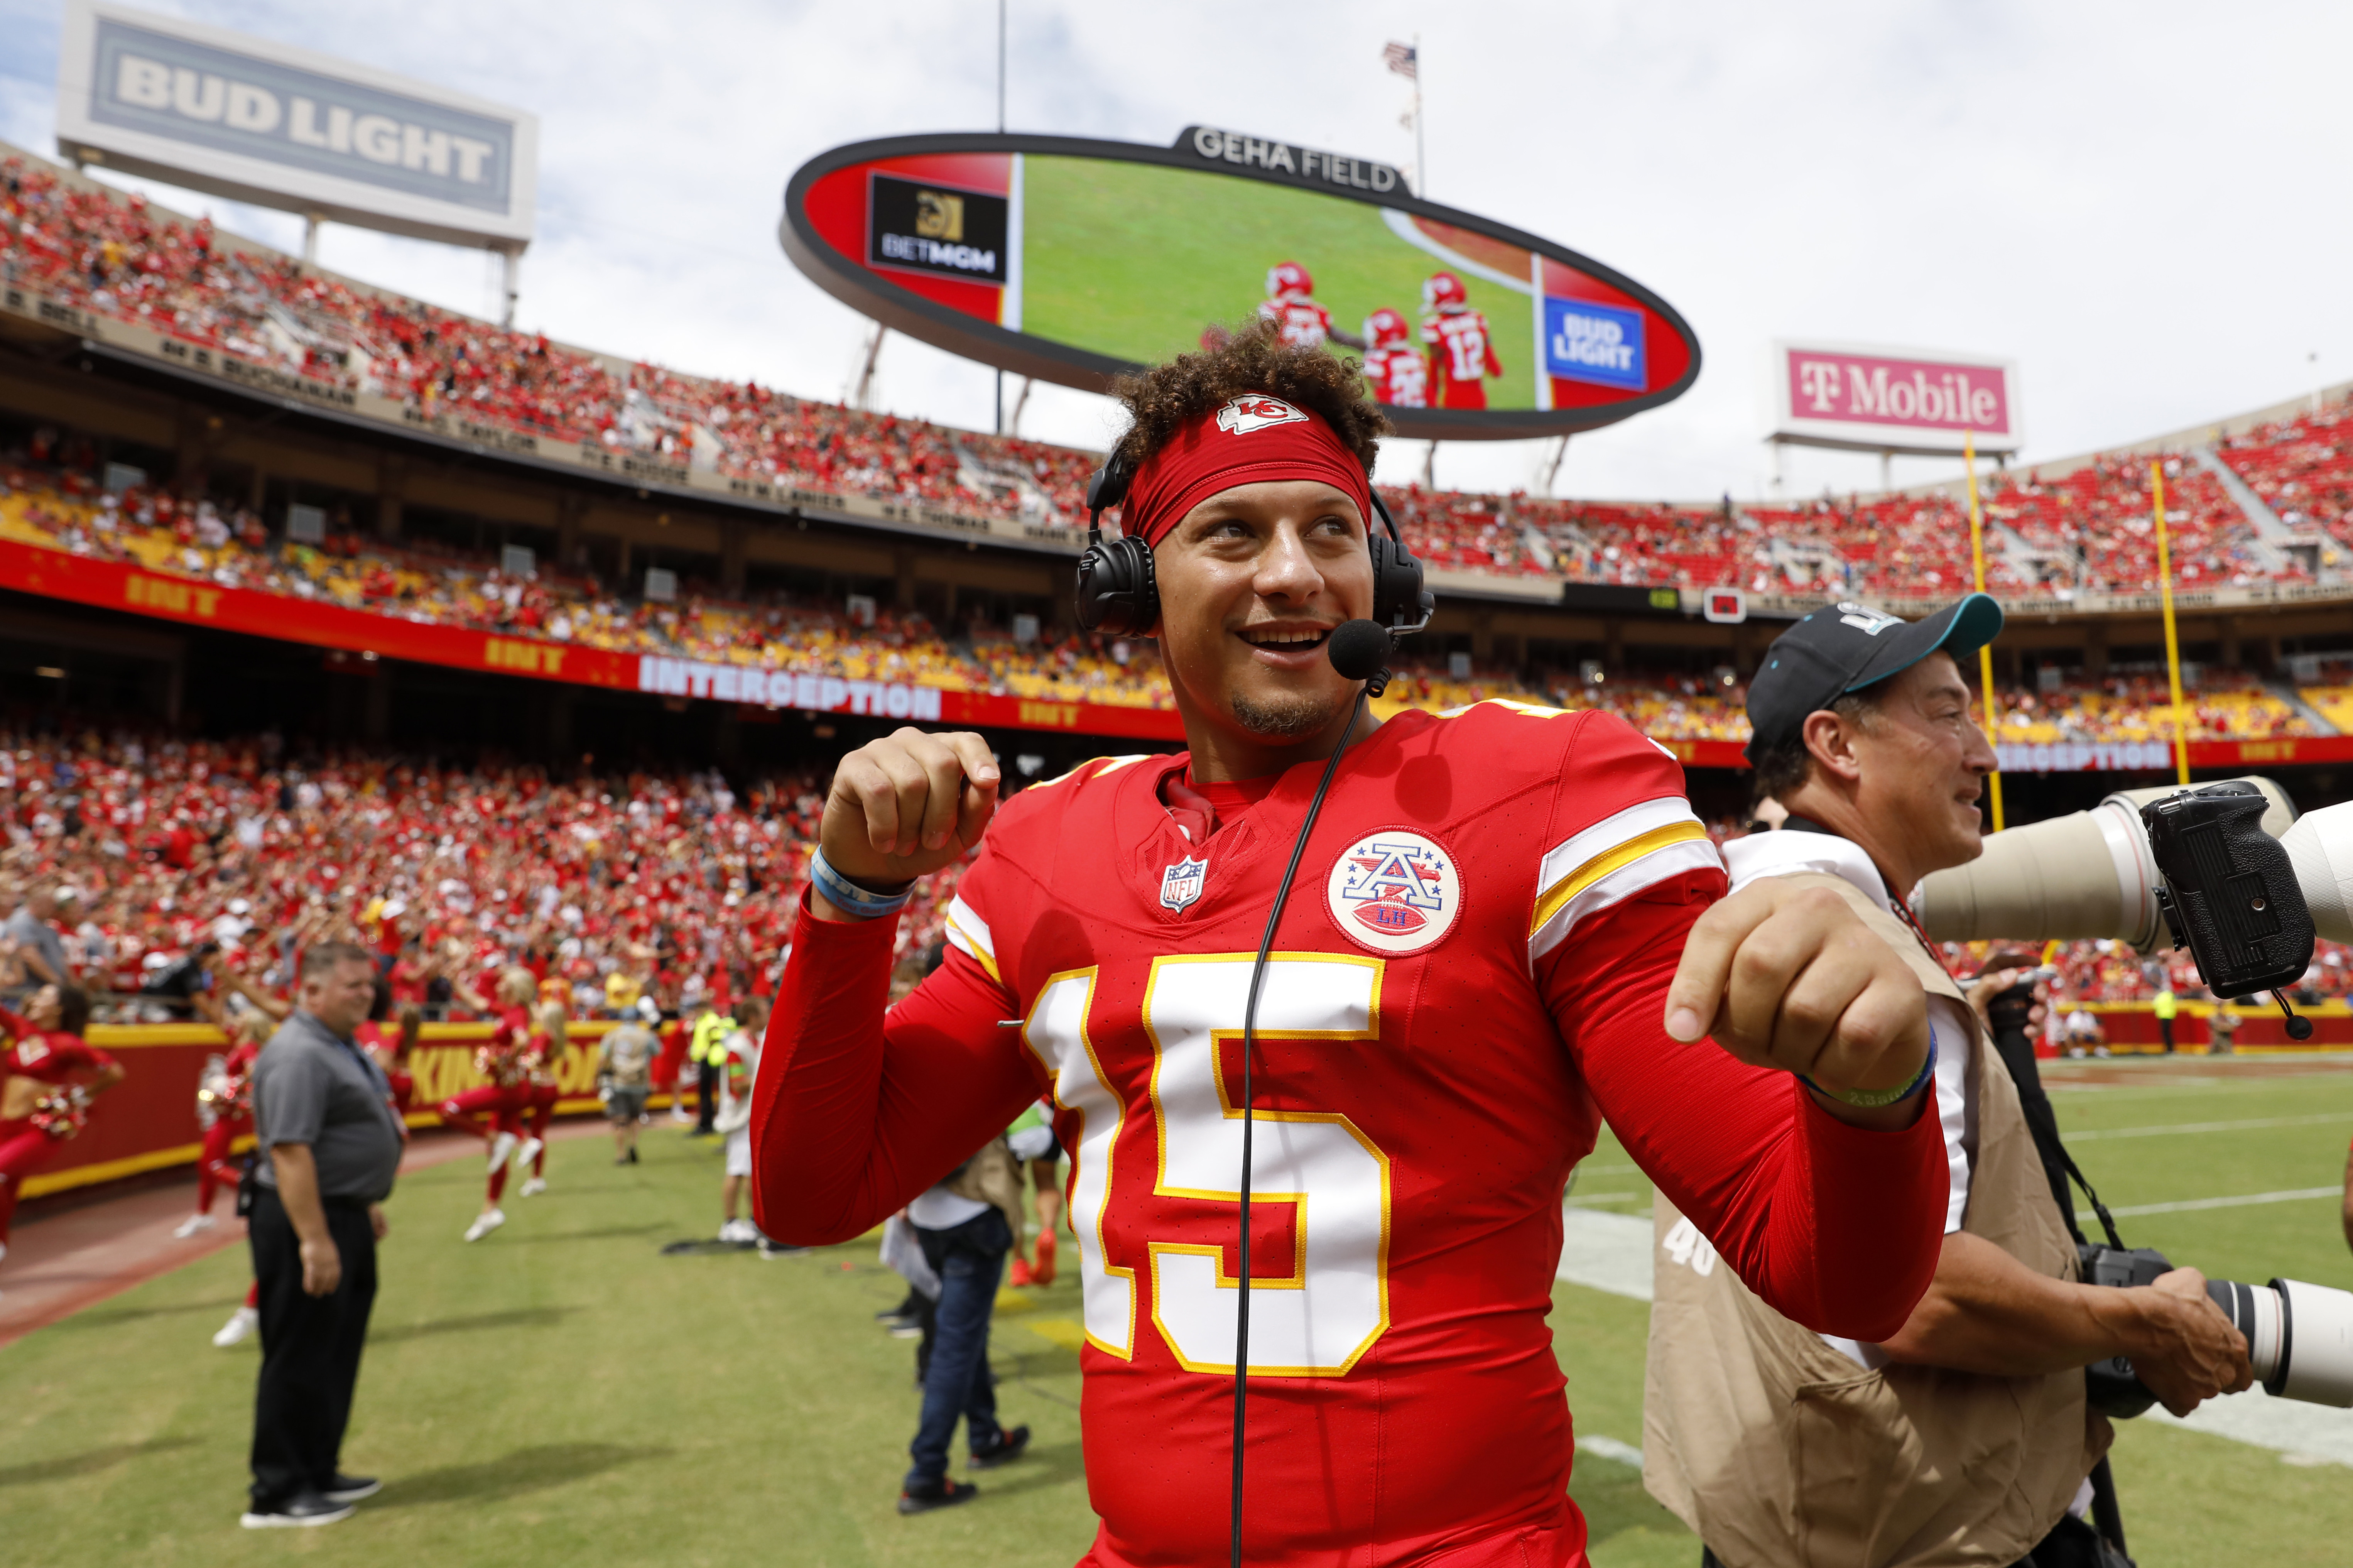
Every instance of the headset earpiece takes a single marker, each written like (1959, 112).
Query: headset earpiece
(1118, 592)
(1400, 601)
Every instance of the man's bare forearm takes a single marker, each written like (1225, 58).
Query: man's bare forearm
(298, 1190)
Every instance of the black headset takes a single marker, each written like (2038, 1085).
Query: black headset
(1119, 593)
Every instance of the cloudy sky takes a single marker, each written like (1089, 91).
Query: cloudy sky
(2141, 203)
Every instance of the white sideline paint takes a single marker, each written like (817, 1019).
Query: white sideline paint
(2304, 1433)
(1610, 1448)
(2338, 1116)
(2242, 1202)
(1606, 1252)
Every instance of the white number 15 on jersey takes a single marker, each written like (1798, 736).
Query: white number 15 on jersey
(1333, 1303)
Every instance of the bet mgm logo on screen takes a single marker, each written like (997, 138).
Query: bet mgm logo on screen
(933, 228)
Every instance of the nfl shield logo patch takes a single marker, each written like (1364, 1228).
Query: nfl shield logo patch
(1394, 893)
(1181, 884)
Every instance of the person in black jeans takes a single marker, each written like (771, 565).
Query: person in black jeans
(968, 1254)
(330, 1144)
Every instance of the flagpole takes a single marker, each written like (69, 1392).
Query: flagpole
(2173, 641)
(1985, 649)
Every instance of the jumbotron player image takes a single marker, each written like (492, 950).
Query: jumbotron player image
(1506, 925)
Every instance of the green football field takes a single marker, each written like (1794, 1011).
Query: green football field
(1133, 260)
(562, 1393)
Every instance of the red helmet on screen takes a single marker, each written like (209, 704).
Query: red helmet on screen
(1443, 290)
(1384, 329)
(1288, 277)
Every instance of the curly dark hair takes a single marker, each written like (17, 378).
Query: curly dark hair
(1162, 400)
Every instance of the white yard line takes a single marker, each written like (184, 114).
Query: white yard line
(2305, 1433)
(1603, 1251)
(1602, 1447)
(2343, 1117)
(2240, 1202)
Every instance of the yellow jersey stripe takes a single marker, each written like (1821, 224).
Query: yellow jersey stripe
(1559, 895)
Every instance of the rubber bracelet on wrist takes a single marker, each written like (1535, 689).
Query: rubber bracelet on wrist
(858, 903)
(1872, 1099)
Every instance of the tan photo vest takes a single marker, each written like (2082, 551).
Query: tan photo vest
(1781, 1452)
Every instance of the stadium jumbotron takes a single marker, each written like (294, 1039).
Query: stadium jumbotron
(330, 614)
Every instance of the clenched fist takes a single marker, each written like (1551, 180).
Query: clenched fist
(904, 806)
(1789, 976)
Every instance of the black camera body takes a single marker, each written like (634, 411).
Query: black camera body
(2112, 1386)
(2230, 891)
(2299, 1336)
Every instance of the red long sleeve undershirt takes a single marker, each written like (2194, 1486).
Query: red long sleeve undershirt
(858, 1110)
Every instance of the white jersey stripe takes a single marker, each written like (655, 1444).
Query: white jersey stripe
(1669, 858)
(1612, 860)
(967, 931)
(1584, 847)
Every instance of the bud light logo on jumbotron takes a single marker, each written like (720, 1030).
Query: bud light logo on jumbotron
(1600, 343)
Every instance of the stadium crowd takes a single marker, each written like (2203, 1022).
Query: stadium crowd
(2088, 530)
(56, 505)
(677, 881)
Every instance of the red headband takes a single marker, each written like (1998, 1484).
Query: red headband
(1247, 439)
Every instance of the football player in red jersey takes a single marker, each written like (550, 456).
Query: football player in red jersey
(1478, 963)
(1461, 349)
(1399, 375)
(505, 1093)
(47, 1075)
(1291, 304)
(543, 1060)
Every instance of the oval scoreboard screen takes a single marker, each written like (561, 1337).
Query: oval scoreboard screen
(1074, 260)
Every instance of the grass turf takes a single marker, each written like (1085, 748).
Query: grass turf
(1133, 260)
(561, 1392)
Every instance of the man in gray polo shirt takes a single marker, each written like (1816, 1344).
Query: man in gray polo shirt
(330, 1144)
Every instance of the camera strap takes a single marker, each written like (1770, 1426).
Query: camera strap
(2042, 1122)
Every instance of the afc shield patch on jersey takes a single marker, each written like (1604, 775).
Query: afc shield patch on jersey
(1394, 892)
(1181, 884)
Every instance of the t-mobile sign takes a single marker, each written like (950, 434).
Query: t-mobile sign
(1892, 399)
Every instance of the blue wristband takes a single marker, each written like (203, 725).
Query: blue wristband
(858, 903)
(1872, 1099)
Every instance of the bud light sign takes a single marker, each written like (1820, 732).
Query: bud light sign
(1598, 344)
(1893, 399)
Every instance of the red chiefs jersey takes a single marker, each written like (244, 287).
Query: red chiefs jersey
(1399, 376)
(52, 1057)
(1462, 354)
(1468, 976)
(1302, 323)
(502, 1060)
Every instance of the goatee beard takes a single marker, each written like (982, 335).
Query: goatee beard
(1284, 718)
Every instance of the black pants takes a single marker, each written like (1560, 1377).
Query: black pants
(309, 1349)
(706, 1095)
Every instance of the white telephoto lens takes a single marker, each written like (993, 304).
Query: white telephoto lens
(2315, 1359)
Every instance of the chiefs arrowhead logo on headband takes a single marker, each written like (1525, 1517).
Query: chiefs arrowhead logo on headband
(1256, 411)
(1286, 443)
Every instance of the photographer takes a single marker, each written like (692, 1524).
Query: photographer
(1964, 1437)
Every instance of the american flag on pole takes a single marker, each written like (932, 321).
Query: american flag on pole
(1402, 59)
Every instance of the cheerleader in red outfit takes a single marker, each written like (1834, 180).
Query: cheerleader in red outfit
(48, 1078)
(494, 1111)
(224, 1112)
(543, 1058)
(390, 1050)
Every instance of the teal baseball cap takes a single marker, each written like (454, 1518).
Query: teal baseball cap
(1846, 646)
